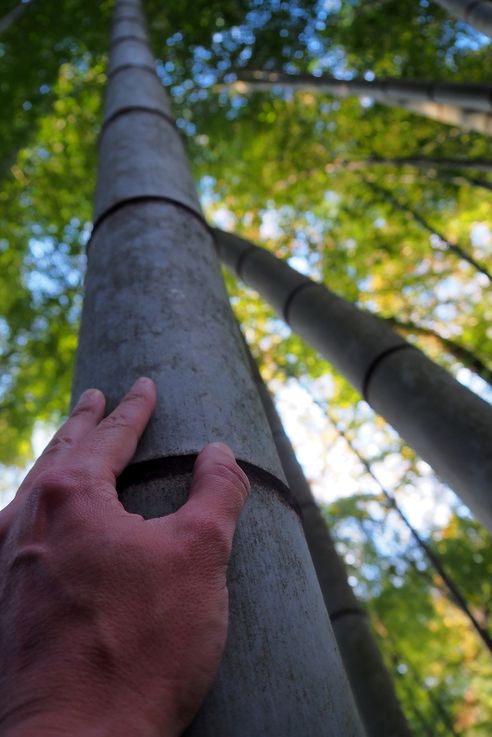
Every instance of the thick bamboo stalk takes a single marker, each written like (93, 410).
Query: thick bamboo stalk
(369, 678)
(155, 304)
(467, 105)
(447, 424)
(477, 13)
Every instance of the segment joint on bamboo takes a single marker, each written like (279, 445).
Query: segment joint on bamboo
(334, 616)
(128, 37)
(295, 293)
(139, 200)
(125, 67)
(376, 362)
(242, 259)
(129, 18)
(160, 468)
(130, 109)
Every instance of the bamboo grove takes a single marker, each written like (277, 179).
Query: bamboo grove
(360, 159)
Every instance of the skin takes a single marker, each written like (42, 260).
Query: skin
(110, 624)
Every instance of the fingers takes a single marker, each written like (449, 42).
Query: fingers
(113, 443)
(84, 417)
(219, 490)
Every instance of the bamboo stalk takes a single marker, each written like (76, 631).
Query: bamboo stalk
(448, 425)
(155, 304)
(467, 105)
(466, 95)
(477, 13)
(369, 678)
(469, 119)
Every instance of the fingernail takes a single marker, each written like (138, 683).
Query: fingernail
(224, 448)
(143, 383)
(89, 395)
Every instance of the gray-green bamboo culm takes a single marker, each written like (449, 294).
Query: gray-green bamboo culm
(449, 426)
(369, 678)
(466, 105)
(155, 304)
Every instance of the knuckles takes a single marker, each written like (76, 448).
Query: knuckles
(120, 420)
(49, 493)
(59, 442)
(24, 528)
(51, 489)
(52, 483)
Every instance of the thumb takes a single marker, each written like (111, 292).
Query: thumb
(219, 489)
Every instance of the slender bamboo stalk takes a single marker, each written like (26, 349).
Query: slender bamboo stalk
(438, 707)
(420, 162)
(477, 13)
(449, 586)
(469, 96)
(466, 105)
(449, 177)
(447, 425)
(456, 595)
(369, 678)
(471, 181)
(155, 303)
(455, 248)
(438, 168)
(427, 728)
(473, 120)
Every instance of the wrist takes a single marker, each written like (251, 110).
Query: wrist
(57, 699)
(62, 725)
(54, 727)
(67, 703)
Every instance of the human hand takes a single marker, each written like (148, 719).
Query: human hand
(111, 624)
